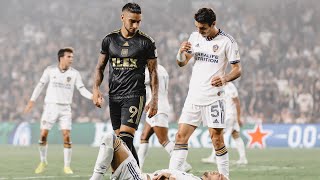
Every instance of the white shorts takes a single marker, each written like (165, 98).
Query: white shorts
(210, 115)
(128, 170)
(52, 113)
(161, 120)
(232, 123)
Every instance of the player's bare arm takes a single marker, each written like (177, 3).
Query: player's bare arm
(29, 106)
(183, 57)
(165, 176)
(235, 72)
(152, 107)
(98, 78)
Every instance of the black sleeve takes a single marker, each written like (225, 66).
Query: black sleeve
(105, 45)
(151, 50)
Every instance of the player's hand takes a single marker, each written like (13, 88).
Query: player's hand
(29, 106)
(185, 46)
(152, 108)
(97, 98)
(218, 81)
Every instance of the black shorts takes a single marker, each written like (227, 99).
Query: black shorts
(126, 111)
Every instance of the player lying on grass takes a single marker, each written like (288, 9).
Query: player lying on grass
(113, 152)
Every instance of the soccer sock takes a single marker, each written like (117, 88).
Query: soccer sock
(67, 152)
(128, 139)
(43, 152)
(222, 158)
(240, 147)
(143, 151)
(178, 157)
(168, 146)
(109, 144)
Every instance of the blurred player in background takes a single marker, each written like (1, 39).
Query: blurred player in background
(212, 50)
(233, 120)
(61, 80)
(159, 123)
(124, 166)
(128, 52)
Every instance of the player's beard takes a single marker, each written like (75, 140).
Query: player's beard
(131, 32)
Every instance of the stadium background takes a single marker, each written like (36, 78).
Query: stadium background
(279, 44)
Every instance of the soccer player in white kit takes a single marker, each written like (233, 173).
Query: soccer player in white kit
(212, 50)
(115, 154)
(61, 80)
(159, 123)
(233, 124)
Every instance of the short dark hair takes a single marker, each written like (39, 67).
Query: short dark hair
(63, 50)
(205, 15)
(132, 7)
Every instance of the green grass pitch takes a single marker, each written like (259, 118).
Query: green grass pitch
(268, 164)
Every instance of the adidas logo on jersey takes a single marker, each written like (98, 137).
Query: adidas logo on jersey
(198, 45)
(216, 121)
(126, 44)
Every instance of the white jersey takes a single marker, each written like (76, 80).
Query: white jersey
(211, 58)
(163, 77)
(230, 93)
(61, 84)
(176, 174)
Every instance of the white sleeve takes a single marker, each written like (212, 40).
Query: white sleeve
(147, 77)
(85, 93)
(82, 89)
(232, 52)
(38, 89)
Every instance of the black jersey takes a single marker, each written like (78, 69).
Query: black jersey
(127, 61)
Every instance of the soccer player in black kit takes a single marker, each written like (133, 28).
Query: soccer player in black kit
(128, 52)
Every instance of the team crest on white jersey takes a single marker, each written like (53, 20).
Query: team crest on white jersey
(215, 48)
(68, 79)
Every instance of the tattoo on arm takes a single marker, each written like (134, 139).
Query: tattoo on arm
(98, 74)
(154, 82)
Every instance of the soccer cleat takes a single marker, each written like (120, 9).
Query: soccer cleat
(67, 170)
(211, 159)
(242, 161)
(41, 167)
(186, 167)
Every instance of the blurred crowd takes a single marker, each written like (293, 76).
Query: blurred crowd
(278, 40)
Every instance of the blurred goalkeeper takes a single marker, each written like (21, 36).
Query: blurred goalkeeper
(113, 152)
(61, 80)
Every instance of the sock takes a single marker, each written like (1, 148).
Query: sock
(168, 146)
(108, 144)
(43, 153)
(178, 157)
(67, 152)
(143, 151)
(222, 158)
(240, 147)
(128, 139)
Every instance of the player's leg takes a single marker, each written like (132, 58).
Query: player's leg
(144, 143)
(65, 124)
(189, 120)
(214, 115)
(48, 118)
(240, 147)
(108, 144)
(180, 151)
(131, 112)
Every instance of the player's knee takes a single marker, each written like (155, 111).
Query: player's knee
(235, 134)
(108, 139)
(181, 138)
